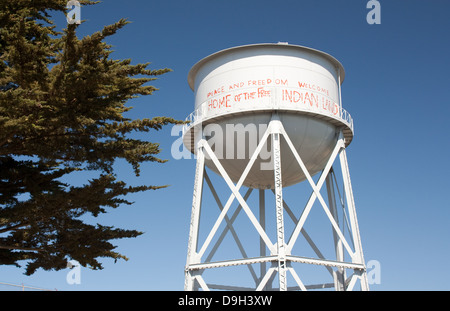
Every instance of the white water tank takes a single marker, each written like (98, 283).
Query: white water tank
(238, 91)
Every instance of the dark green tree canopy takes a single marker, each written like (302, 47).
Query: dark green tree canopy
(62, 105)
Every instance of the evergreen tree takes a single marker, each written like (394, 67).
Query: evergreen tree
(62, 105)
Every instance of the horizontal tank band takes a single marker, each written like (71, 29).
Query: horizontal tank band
(262, 98)
(194, 124)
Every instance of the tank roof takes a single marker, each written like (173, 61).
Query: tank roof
(193, 72)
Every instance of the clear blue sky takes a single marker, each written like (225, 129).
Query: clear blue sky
(396, 89)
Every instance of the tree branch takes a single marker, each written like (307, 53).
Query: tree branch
(21, 248)
(12, 228)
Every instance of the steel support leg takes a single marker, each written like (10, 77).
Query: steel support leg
(281, 249)
(339, 276)
(262, 222)
(192, 256)
(358, 258)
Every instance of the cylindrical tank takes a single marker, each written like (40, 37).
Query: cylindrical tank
(239, 90)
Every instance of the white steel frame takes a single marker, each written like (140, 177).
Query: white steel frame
(281, 255)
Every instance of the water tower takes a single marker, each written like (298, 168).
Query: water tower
(269, 118)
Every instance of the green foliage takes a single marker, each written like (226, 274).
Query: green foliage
(62, 105)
